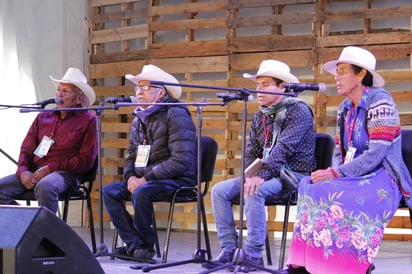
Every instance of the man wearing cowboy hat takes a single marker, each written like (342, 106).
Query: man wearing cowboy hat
(59, 147)
(161, 159)
(282, 136)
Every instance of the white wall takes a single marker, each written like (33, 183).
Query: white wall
(48, 36)
(42, 38)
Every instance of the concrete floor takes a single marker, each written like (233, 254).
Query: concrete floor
(394, 256)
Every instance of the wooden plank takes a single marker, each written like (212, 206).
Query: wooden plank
(98, 58)
(270, 43)
(365, 13)
(100, 3)
(272, 20)
(251, 61)
(119, 34)
(266, 3)
(386, 38)
(194, 7)
(188, 49)
(189, 24)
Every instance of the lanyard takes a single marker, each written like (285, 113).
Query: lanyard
(266, 131)
(53, 131)
(350, 127)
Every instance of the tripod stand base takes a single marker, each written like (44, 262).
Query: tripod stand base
(102, 250)
(199, 256)
(240, 263)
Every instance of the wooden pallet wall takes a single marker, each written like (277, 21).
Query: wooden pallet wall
(212, 43)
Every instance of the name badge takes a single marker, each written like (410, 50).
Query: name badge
(142, 157)
(44, 146)
(350, 154)
(266, 152)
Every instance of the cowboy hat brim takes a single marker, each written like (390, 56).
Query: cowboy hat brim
(331, 66)
(158, 75)
(285, 77)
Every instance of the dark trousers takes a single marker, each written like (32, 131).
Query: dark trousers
(136, 231)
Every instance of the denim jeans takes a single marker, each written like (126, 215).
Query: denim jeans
(255, 214)
(136, 231)
(46, 190)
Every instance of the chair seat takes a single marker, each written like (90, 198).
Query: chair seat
(74, 193)
(187, 194)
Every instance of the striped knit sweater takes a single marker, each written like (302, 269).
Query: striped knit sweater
(383, 147)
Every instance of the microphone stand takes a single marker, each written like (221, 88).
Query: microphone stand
(199, 253)
(102, 250)
(239, 255)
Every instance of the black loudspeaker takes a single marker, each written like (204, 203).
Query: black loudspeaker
(34, 240)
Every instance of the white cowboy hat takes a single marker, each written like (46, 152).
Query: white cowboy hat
(153, 73)
(359, 57)
(76, 77)
(275, 69)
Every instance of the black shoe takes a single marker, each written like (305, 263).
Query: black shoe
(246, 268)
(291, 270)
(370, 269)
(223, 258)
(123, 253)
(144, 253)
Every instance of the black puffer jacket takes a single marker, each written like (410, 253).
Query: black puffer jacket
(171, 133)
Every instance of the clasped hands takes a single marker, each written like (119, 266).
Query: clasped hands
(133, 182)
(29, 179)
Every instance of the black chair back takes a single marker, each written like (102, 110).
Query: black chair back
(407, 148)
(324, 150)
(208, 151)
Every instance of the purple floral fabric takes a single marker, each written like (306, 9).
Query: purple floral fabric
(340, 223)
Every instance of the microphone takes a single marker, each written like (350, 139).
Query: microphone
(54, 100)
(233, 96)
(298, 87)
(115, 100)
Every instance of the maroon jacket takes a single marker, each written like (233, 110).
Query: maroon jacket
(75, 146)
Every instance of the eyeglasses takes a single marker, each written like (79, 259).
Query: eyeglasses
(145, 87)
(65, 91)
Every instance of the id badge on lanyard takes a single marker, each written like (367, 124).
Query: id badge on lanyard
(142, 157)
(350, 154)
(44, 147)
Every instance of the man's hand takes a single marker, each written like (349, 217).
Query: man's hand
(133, 182)
(252, 185)
(41, 172)
(28, 180)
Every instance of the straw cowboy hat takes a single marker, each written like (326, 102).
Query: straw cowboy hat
(359, 57)
(153, 73)
(75, 77)
(275, 69)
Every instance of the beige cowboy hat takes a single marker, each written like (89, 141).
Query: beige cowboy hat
(359, 57)
(275, 69)
(153, 73)
(76, 77)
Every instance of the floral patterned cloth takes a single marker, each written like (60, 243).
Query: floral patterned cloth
(340, 222)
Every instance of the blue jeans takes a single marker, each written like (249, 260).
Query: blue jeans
(254, 206)
(136, 232)
(46, 190)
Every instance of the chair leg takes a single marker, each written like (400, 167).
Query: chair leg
(91, 222)
(284, 236)
(410, 217)
(157, 247)
(267, 247)
(168, 230)
(206, 230)
(114, 244)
